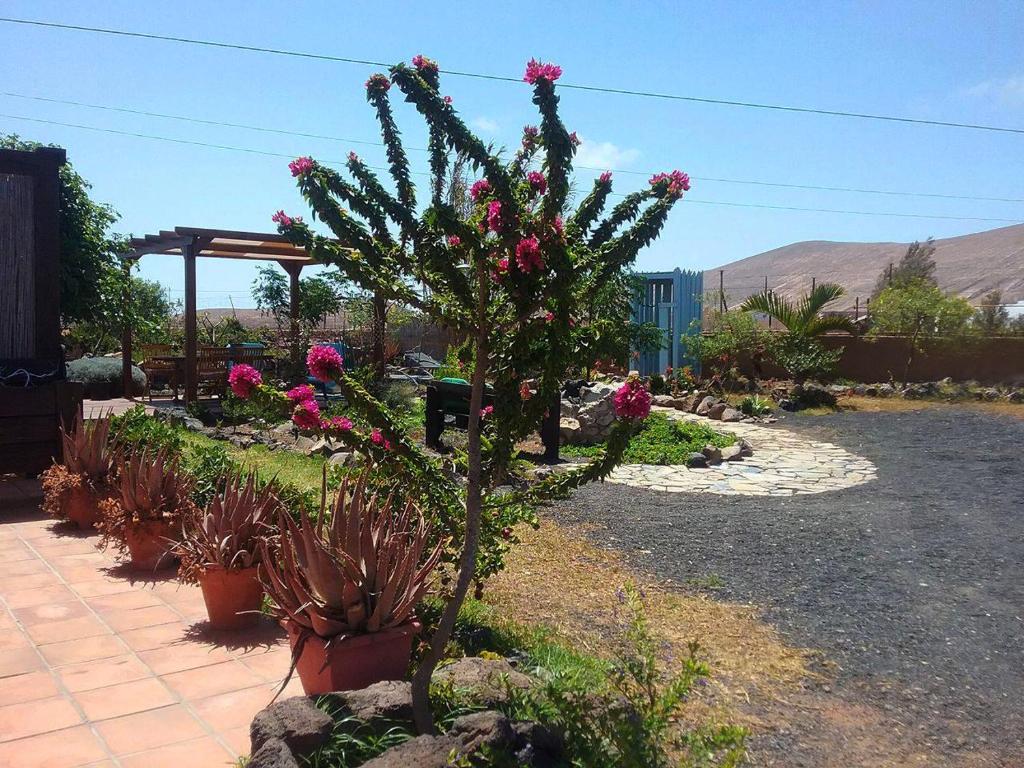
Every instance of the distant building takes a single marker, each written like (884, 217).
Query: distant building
(672, 301)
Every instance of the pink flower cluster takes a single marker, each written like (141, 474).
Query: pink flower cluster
(300, 165)
(494, 216)
(423, 64)
(606, 177)
(306, 415)
(378, 82)
(447, 99)
(574, 139)
(632, 400)
(486, 411)
(499, 272)
(378, 439)
(479, 189)
(243, 379)
(454, 240)
(337, 423)
(284, 219)
(538, 70)
(678, 182)
(528, 255)
(530, 134)
(537, 181)
(301, 393)
(525, 393)
(324, 363)
(353, 157)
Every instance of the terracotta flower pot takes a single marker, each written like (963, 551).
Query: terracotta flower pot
(232, 596)
(148, 546)
(355, 662)
(81, 506)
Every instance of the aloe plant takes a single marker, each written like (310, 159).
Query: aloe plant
(360, 569)
(88, 450)
(228, 532)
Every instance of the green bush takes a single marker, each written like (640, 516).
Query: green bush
(755, 405)
(235, 410)
(803, 357)
(656, 383)
(210, 465)
(102, 377)
(136, 430)
(662, 441)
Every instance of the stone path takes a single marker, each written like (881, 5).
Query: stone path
(783, 464)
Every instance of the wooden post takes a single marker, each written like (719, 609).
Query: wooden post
(856, 308)
(191, 374)
(721, 289)
(126, 329)
(766, 293)
(294, 269)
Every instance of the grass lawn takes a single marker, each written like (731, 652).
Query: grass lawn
(662, 441)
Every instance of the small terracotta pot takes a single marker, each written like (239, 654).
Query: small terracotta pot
(148, 545)
(232, 596)
(355, 662)
(81, 506)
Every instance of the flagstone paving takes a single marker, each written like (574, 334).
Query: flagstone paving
(784, 464)
(103, 667)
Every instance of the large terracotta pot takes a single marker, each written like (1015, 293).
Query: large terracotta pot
(232, 596)
(148, 545)
(355, 662)
(81, 506)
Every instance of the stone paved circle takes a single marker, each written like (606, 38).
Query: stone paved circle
(783, 464)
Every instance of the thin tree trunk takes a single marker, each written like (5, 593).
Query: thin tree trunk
(379, 330)
(474, 492)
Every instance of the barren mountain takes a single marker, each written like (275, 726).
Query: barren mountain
(970, 265)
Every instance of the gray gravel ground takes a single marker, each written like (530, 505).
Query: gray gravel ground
(913, 585)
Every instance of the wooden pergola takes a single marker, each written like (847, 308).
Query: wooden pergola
(192, 243)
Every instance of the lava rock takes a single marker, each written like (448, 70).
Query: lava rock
(705, 405)
(273, 754)
(697, 461)
(712, 453)
(731, 414)
(297, 722)
(487, 680)
(380, 705)
(716, 411)
(732, 453)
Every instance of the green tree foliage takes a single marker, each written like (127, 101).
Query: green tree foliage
(991, 317)
(916, 264)
(921, 312)
(319, 296)
(730, 336)
(88, 249)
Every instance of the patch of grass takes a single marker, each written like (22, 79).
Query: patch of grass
(711, 581)
(662, 441)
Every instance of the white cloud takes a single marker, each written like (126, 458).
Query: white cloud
(1009, 91)
(485, 124)
(604, 154)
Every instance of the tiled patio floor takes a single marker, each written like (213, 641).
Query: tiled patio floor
(100, 666)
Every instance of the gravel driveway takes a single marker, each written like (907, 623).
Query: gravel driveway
(913, 584)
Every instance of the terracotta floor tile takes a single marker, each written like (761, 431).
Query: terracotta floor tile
(272, 665)
(101, 586)
(148, 730)
(158, 636)
(32, 717)
(180, 656)
(237, 739)
(65, 546)
(234, 709)
(200, 752)
(124, 699)
(134, 618)
(12, 638)
(59, 631)
(17, 661)
(82, 649)
(121, 601)
(208, 681)
(67, 748)
(30, 581)
(99, 674)
(29, 686)
(24, 598)
(25, 568)
(14, 552)
(50, 612)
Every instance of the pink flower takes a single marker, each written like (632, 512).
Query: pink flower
(501, 270)
(530, 134)
(243, 379)
(454, 240)
(559, 227)
(678, 182)
(324, 363)
(606, 177)
(376, 437)
(528, 255)
(537, 70)
(306, 415)
(422, 63)
(378, 82)
(353, 157)
(301, 393)
(549, 316)
(300, 165)
(494, 215)
(339, 423)
(574, 139)
(632, 400)
(525, 393)
(479, 189)
(486, 411)
(537, 181)
(283, 219)
(447, 99)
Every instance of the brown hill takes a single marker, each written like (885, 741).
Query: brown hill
(969, 265)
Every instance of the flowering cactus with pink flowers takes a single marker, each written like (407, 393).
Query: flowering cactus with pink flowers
(515, 276)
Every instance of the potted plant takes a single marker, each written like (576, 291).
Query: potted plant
(142, 518)
(219, 550)
(346, 586)
(73, 489)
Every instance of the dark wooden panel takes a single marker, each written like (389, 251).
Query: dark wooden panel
(29, 429)
(16, 402)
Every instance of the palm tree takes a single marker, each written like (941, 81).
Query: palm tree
(802, 318)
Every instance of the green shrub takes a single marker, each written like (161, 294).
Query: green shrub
(102, 377)
(137, 430)
(662, 441)
(755, 405)
(803, 357)
(235, 410)
(209, 465)
(656, 383)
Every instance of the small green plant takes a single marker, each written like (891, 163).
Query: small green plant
(235, 410)
(352, 741)
(755, 405)
(662, 441)
(136, 430)
(209, 466)
(656, 383)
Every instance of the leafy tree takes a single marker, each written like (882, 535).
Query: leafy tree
(992, 318)
(922, 313)
(319, 296)
(87, 248)
(730, 336)
(509, 275)
(916, 264)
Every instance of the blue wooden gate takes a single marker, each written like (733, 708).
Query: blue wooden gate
(671, 300)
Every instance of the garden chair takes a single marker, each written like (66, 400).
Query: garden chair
(212, 370)
(164, 371)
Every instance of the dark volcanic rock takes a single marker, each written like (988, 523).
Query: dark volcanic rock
(296, 721)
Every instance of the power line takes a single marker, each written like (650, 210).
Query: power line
(248, 150)
(503, 78)
(343, 139)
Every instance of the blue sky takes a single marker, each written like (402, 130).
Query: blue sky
(961, 62)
